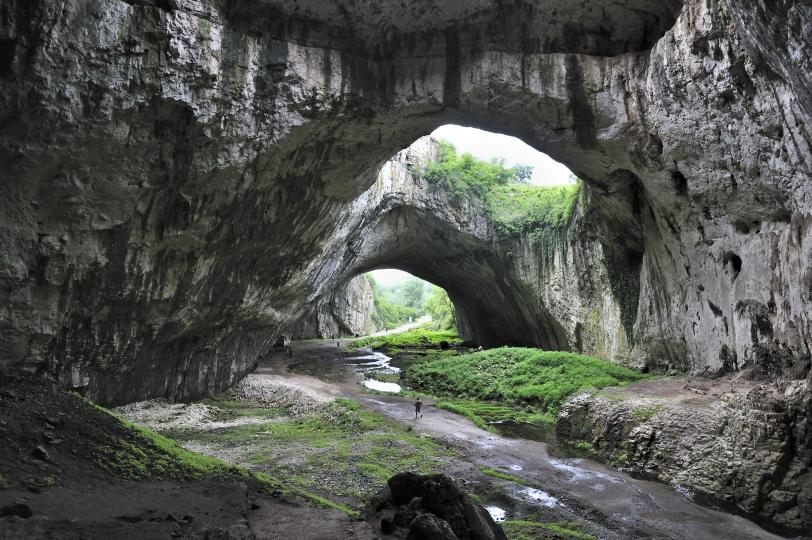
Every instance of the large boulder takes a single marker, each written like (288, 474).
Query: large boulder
(431, 508)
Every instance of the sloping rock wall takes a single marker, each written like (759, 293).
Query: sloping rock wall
(181, 177)
(348, 311)
(749, 449)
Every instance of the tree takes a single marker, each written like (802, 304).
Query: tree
(413, 292)
(441, 309)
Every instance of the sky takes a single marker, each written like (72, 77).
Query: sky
(485, 145)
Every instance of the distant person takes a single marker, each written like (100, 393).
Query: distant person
(338, 344)
(290, 352)
(418, 405)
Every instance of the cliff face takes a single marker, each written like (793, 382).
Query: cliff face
(348, 311)
(184, 178)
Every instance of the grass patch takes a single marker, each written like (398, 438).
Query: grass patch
(518, 377)
(146, 454)
(645, 413)
(340, 451)
(528, 530)
(484, 414)
(495, 473)
(413, 338)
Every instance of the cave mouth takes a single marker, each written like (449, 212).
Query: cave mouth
(451, 208)
(402, 300)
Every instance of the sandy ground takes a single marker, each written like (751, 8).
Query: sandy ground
(621, 506)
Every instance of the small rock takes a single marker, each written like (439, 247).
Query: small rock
(17, 509)
(41, 453)
(255, 506)
(387, 526)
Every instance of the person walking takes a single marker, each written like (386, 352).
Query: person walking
(418, 405)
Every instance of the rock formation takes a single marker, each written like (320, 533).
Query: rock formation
(348, 311)
(748, 450)
(183, 179)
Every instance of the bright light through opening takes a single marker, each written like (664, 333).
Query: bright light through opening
(486, 145)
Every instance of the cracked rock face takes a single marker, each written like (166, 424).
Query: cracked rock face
(348, 311)
(181, 178)
(749, 450)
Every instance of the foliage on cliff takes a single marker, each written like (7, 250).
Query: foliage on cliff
(514, 206)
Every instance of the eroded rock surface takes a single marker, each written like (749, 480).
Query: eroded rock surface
(184, 179)
(746, 446)
(348, 311)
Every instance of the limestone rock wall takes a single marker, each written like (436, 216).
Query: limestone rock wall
(348, 311)
(748, 450)
(182, 179)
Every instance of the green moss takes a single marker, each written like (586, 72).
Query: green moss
(584, 446)
(339, 450)
(645, 413)
(146, 454)
(495, 473)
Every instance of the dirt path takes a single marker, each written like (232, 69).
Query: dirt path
(624, 506)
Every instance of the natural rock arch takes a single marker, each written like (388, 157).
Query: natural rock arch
(203, 170)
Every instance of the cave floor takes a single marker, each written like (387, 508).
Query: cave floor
(610, 503)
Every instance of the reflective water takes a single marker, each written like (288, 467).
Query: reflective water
(496, 513)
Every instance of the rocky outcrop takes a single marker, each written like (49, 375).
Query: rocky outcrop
(430, 507)
(349, 311)
(183, 179)
(748, 448)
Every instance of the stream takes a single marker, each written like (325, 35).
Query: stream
(553, 484)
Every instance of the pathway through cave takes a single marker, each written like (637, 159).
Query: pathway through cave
(619, 505)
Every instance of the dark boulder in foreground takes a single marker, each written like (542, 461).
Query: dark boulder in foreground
(431, 508)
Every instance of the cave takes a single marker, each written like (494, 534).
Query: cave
(188, 183)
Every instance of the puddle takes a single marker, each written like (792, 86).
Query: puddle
(579, 473)
(496, 513)
(537, 496)
(516, 468)
(525, 430)
(380, 386)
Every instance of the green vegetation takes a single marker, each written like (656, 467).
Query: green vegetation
(463, 175)
(420, 337)
(583, 446)
(503, 476)
(529, 530)
(533, 380)
(146, 454)
(401, 303)
(484, 414)
(514, 206)
(3, 481)
(645, 413)
(516, 209)
(619, 460)
(441, 309)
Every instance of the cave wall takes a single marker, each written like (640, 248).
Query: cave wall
(350, 310)
(181, 177)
